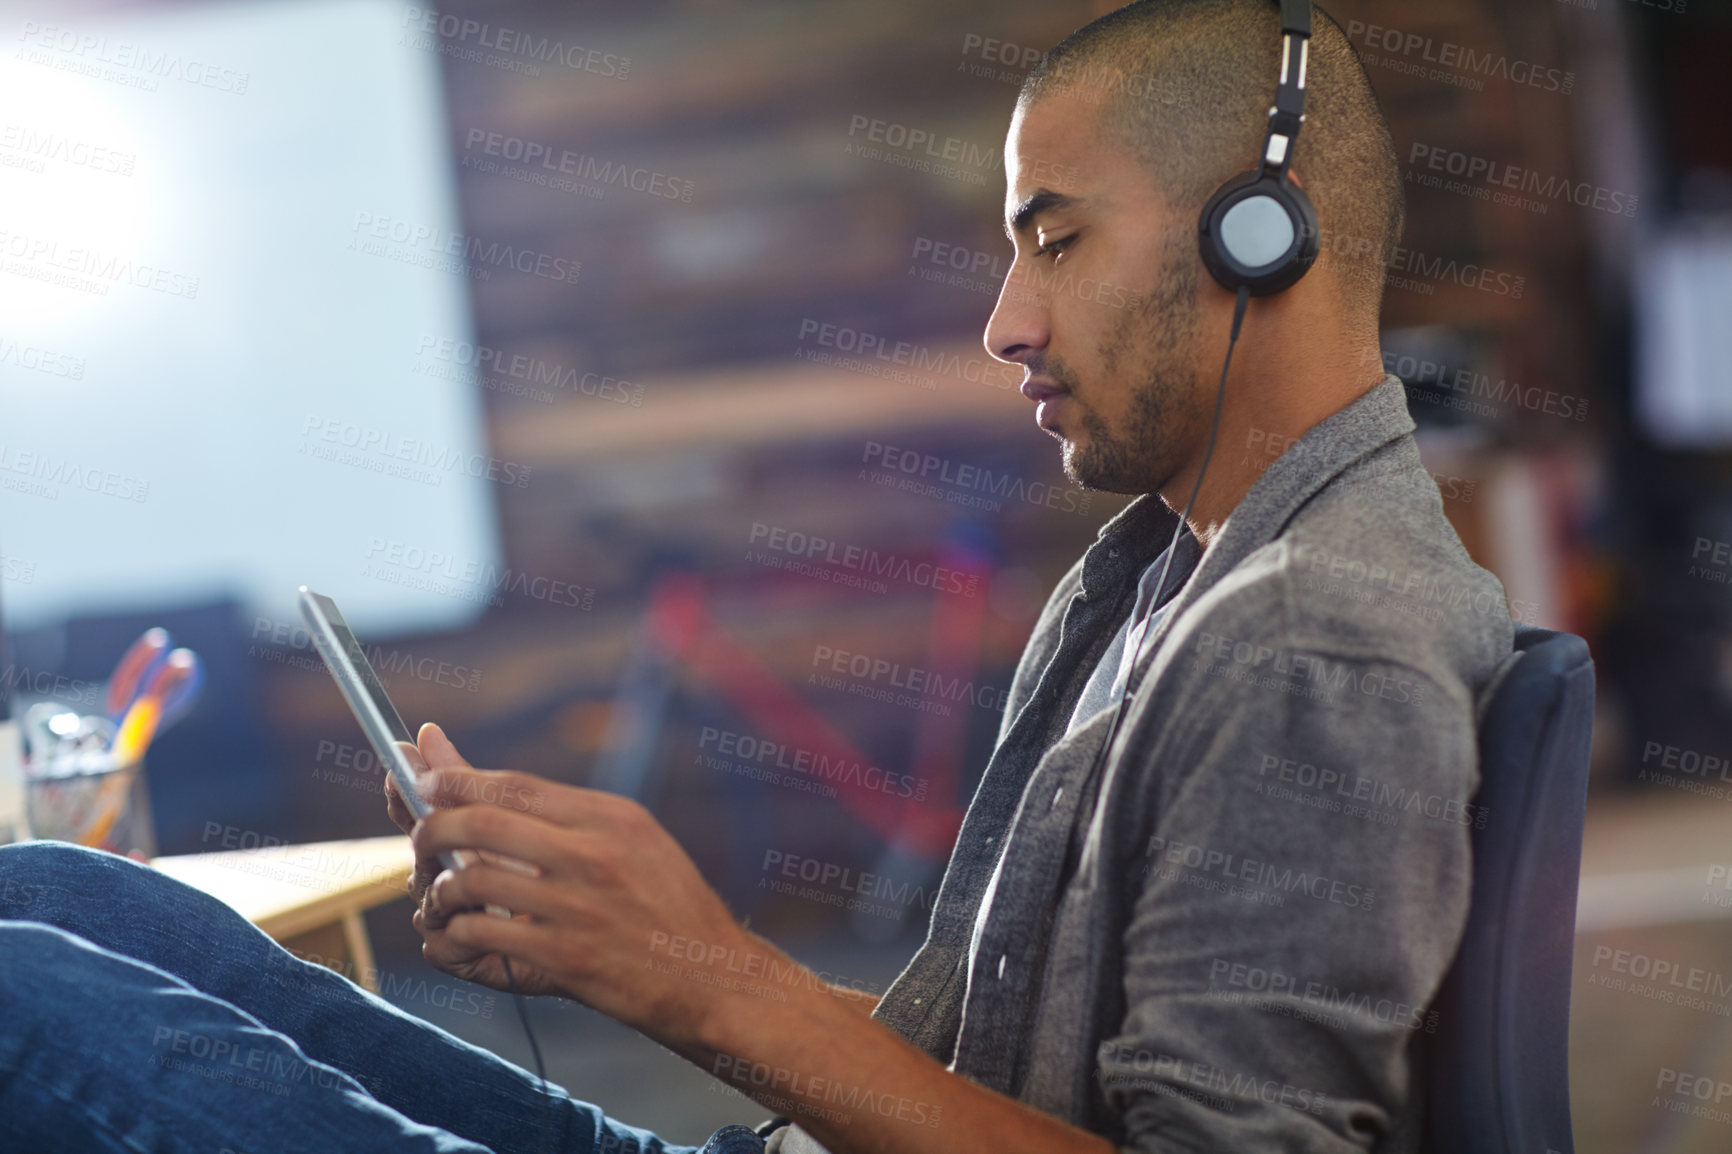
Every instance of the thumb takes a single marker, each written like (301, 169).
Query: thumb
(438, 750)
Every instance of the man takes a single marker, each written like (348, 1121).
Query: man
(1221, 936)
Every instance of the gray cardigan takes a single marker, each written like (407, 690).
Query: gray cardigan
(1235, 950)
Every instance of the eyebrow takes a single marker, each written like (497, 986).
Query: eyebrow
(1042, 200)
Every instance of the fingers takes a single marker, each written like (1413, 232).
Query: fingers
(437, 749)
(506, 832)
(452, 781)
(465, 944)
(451, 787)
(394, 807)
(441, 951)
(475, 886)
(476, 934)
(425, 868)
(566, 805)
(433, 749)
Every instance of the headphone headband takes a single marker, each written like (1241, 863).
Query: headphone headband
(1288, 111)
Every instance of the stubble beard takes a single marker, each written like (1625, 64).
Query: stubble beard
(1152, 345)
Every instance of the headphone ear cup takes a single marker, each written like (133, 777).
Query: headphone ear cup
(1310, 235)
(1257, 232)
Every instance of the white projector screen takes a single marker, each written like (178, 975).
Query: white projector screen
(212, 341)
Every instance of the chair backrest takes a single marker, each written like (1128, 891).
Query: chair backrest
(1499, 1070)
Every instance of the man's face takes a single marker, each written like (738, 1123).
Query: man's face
(1100, 305)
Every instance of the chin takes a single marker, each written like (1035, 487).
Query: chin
(1076, 465)
(1086, 471)
(1067, 460)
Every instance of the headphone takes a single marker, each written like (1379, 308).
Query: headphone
(1259, 231)
(1258, 235)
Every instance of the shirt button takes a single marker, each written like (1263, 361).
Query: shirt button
(1001, 958)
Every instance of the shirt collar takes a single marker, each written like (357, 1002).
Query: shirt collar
(1139, 532)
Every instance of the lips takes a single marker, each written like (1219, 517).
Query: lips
(1036, 389)
(1046, 395)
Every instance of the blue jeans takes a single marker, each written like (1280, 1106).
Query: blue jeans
(139, 1014)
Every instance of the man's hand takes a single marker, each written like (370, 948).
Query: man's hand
(438, 752)
(486, 969)
(615, 915)
(611, 889)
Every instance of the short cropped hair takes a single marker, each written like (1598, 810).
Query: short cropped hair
(1187, 85)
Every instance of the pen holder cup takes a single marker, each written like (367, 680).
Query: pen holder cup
(92, 800)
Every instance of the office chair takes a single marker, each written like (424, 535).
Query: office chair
(1499, 1074)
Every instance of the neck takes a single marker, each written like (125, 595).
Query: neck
(1289, 372)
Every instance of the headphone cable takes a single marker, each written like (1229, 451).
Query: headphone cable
(1241, 299)
(534, 1048)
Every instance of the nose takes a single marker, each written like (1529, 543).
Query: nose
(1019, 326)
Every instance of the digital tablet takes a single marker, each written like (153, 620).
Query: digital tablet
(379, 719)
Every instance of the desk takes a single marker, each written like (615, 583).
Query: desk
(310, 898)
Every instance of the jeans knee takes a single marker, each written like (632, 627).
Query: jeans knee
(51, 855)
(34, 873)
